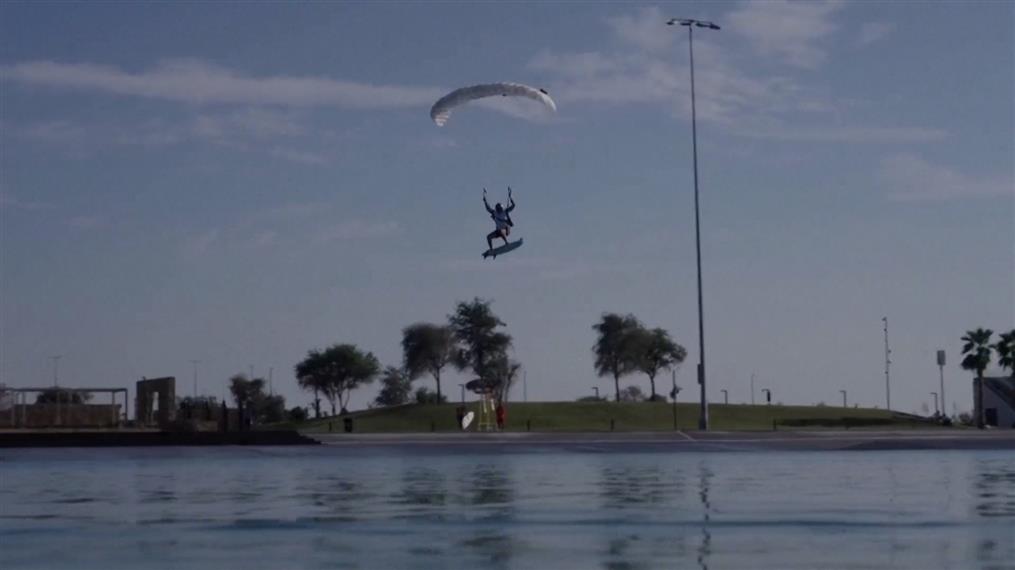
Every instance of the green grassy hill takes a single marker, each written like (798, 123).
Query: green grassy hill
(624, 416)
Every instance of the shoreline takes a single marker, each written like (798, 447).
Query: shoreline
(521, 442)
(682, 441)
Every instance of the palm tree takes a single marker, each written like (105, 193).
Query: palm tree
(977, 357)
(1005, 349)
(655, 351)
(613, 348)
(427, 349)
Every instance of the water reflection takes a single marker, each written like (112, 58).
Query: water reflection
(632, 487)
(339, 496)
(994, 488)
(705, 476)
(424, 491)
(490, 485)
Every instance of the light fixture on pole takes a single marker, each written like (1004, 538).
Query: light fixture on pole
(725, 396)
(690, 24)
(596, 388)
(768, 395)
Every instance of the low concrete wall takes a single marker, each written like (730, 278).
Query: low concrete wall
(149, 438)
(61, 415)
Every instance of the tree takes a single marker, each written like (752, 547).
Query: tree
(427, 349)
(655, 351)
(613, 348)
(503, 372)
(480, 345)
(245, 391)
(632, 394)
(977, 357)
(307, 380)
(62, 396)
(336, 371)
(249, 394)
(424, 396)
(396, 388)
(1005, 349)
(976, 350)
(297, 414)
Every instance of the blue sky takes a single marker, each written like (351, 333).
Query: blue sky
(239, 183)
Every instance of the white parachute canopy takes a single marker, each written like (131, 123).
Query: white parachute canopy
(441, 110)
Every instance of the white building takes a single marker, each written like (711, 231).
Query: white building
(998, 401)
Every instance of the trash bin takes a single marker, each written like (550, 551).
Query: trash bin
(347, 425)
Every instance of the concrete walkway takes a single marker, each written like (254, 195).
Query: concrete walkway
(852, 440)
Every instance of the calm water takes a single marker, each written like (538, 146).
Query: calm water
(360, 508)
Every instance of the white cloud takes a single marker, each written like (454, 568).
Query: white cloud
(846, 134)
(357, 230)
(201, 243)
(195, 81)
(264, 239)
(252, 122)
(909, 178)
(254, 129)
(787, 30)
(644, 29)
(299, 156)
(872, 32)
(11, 202)
(86, 222)
(737, 98)
(56, 132)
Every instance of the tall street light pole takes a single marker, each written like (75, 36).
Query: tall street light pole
(843, 398)
(690, 25)
(56, 369)
(195, 363)
(888, 364)
(941, 367)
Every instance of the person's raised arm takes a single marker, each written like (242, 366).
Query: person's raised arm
(512, 199)
(489, 210)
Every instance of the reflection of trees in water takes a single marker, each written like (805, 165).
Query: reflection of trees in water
(494, 548)
(636, 486)
(620, 556)
(489, 485)
(424, 492)
(704, 487)
(995, 489)
(650, 489)
(341, 496)
(488, 496)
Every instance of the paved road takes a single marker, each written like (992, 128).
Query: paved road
(685, 441)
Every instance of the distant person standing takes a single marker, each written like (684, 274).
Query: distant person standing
(501, 415)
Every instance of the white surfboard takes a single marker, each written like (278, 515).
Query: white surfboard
(511, 246)
(467, 420)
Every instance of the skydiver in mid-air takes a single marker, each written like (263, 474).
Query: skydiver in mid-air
(501, 216)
